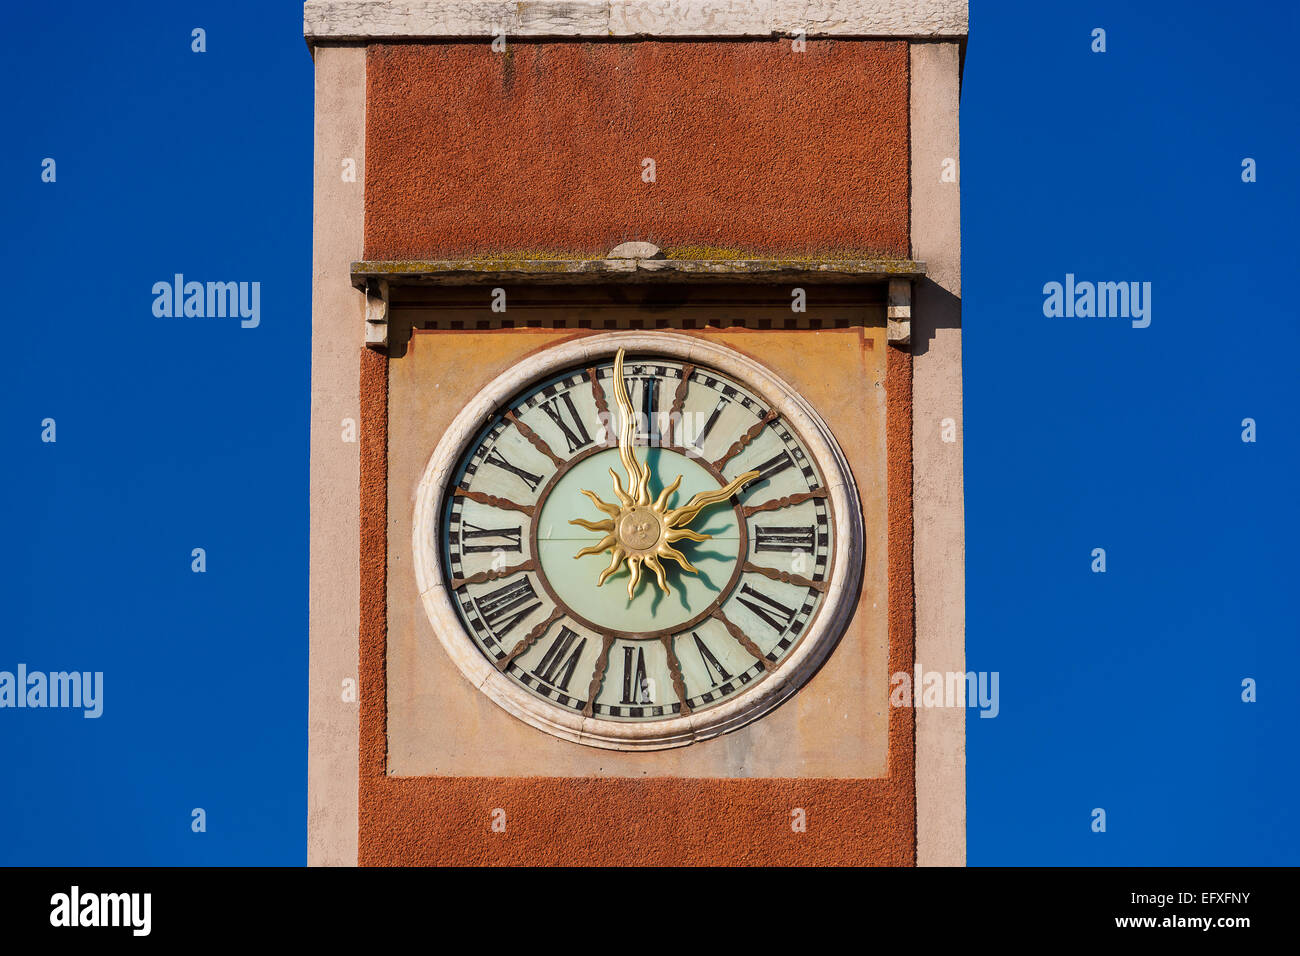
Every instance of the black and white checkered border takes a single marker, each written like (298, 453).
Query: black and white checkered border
(641, 369)
(728, 390)
(800, 620)
(822, 555)
(538, 686)
(723, 691)
(550, 391)
(658, 710)
(455, 514)
(485, 446)
(485, 637)
(795, 449)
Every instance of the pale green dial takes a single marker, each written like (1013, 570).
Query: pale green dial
(609, 607)
(508, 543)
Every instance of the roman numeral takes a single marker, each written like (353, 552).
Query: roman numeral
(711, 663)
(509, 604)
(776, 614)
(555, 661)
(699, 440)
(531, 480)
(636, 688)
(562, 411)
(772, 466)
(783, 538)
(507, 539)
(650, 409)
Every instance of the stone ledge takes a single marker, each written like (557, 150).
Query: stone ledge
(591, 271)
(352, 20)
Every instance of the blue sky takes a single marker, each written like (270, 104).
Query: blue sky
(1119, 690)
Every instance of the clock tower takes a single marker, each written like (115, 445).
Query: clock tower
(636, 488)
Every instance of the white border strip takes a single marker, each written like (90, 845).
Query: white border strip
(938, 544)
(341, 20)
(334, 578)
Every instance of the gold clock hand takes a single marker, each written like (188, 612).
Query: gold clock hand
(687, 512)
(638, 475)
(639, 532)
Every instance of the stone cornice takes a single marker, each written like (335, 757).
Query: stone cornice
(336, 21)
(595, 271)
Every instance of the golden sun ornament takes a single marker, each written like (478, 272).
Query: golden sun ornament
(638, 531)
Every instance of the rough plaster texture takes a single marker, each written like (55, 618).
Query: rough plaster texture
(553, 820)
(363, 19)
(533, 193)
(333, 603)
(939, 516)
(836, 726)
(541, 147)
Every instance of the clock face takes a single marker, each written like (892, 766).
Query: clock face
(636, 546)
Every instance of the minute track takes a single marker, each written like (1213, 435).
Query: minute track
(629, 668)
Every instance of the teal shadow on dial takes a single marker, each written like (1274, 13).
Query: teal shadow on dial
(574, 581)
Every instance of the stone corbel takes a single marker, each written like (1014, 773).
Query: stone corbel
(377, 314)
(900, 312)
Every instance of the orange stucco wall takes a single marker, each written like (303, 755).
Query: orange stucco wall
(540, 148)
(622, 821)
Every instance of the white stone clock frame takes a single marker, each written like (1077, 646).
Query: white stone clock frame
(807, 655)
